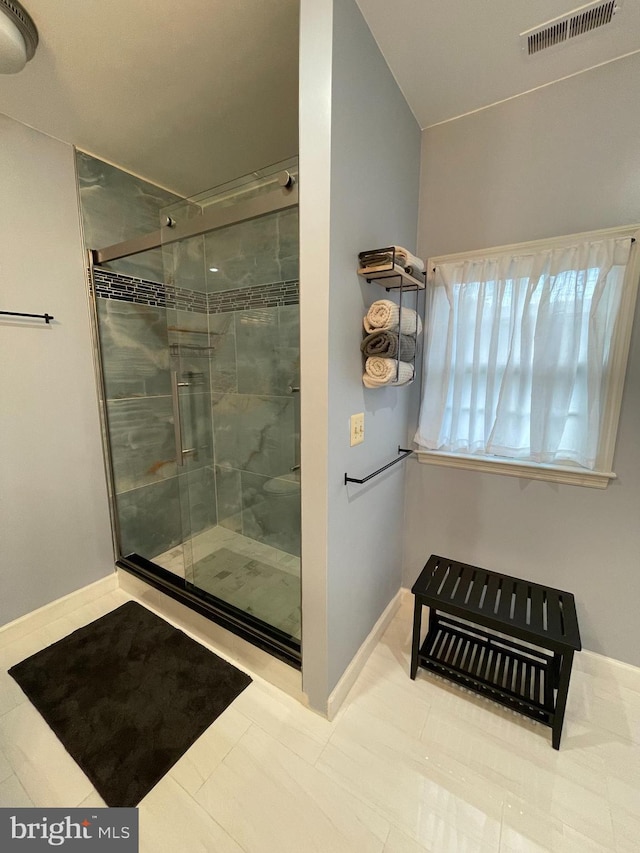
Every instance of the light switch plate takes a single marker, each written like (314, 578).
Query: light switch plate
(357, 428)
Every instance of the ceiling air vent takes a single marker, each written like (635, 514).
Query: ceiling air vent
(575, 23)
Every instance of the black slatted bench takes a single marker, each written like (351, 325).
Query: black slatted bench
(493, 663)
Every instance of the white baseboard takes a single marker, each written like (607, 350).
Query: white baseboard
(602, 666)
(351, 673)
(24, 625)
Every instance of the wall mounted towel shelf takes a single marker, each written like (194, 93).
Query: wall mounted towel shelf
(381, 266)
(401, 450)
(372, 270)
(46, 317)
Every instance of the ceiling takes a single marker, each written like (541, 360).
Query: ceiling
(192, 94)
(188, 94)
(451, 57)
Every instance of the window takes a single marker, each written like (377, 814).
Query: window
(525, 354)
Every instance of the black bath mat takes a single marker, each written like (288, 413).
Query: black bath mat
(127, 695)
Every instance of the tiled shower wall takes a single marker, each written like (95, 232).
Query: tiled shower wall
(254, 333)
(238, 412)
(232, 334)
(256, 421)
(151, 495)
(117, 206)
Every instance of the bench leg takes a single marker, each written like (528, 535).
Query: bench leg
(415, 646)
(561, 700)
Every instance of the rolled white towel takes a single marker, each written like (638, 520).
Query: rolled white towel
(380, 371)
(413, 271)
(384, 314)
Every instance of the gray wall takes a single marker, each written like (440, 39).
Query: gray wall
(374, 145)
(54, 518)
(556, 161)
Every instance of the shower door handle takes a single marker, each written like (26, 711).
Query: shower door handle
(177, 423)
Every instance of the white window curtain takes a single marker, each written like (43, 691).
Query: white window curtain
(517, 352)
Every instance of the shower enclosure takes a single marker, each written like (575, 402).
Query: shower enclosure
(199, 377)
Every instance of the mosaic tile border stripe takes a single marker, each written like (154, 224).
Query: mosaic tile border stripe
(126, 288)
(258, 296)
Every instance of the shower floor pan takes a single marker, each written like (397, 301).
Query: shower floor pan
(250, 588)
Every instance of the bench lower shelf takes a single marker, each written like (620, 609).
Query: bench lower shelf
(517, 676)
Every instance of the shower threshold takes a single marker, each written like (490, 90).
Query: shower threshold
(229, 561)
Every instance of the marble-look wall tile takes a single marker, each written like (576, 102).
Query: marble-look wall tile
(117, 206)
(288, 236)
(189, 347)
(222, 340)
(254, 433)
(198, 500)
(242, 254)
(259, 251)
(269, 517)
(289, 345)
(268, 350)
(184, 263)
(150, 519)
(135, 351)
(258, 355)
(147, 265)
(229, 498)
(142, 441)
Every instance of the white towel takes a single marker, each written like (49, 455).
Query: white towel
(380, 371)
(403, 258)
(408, 261)
(384, 314)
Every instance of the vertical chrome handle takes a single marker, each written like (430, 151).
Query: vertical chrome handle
(177, 423)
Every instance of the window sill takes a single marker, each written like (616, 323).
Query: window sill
(552, 473)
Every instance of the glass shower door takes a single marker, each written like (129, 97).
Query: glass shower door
(233, 332)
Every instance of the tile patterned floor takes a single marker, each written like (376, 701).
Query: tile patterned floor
(405, 767)
(254, 587)
(257, 578)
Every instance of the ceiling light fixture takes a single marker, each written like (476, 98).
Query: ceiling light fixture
(18, 37)
(213, 269)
